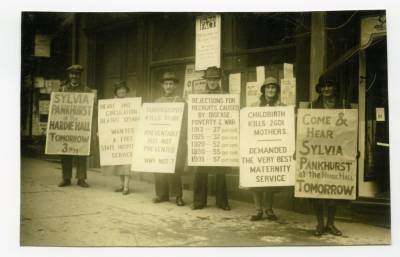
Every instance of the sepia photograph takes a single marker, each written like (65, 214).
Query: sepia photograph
(204, 129)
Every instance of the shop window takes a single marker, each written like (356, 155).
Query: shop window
(173, 36)
(377, 122)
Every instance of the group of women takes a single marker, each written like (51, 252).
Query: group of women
(263, 196)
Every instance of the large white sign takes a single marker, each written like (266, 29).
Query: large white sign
(208, 41)
(267, 146)
(213, 130)
(326, 153)
(70, 123)
(156, 142)
(117, 121)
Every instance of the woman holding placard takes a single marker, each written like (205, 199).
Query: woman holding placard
(327, 99)
(123, 171)
(264, 196)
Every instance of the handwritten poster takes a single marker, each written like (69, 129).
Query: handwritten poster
(326, 153)
(70, 123)
(208, 41)
(267, 146)
(213, 130)
(156, 142)
(117, 122)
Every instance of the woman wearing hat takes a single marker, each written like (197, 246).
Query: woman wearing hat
(123, 171)
(264, 196)
(200, 182)
(327, 99)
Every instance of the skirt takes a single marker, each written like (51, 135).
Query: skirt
(117, 170)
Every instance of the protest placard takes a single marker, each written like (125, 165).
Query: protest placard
(213, 130)
(267, 146)
(117, 121)
(208, 41)
(326, 153)
(70, 123)
(156, 142)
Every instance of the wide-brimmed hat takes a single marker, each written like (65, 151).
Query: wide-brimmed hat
(212, 73)
(169, 76)
(323, 80)
(270, 81)
(75, 68)
(120, 84)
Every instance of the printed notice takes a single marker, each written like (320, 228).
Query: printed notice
(326, 153)
(213, 130)
(70, 123)
(267, 146)
(208, 41)
(156, 142)
(117, 122)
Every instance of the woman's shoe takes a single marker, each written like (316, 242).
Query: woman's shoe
(179, 201)
(196, 207)
(125, 191)
(270, 214)
(119, 189)
(225, 207)
(319, 231)
(258, 216)
(159, 200)
(331, 229)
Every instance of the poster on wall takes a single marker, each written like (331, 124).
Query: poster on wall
(267, 146)
(117, 123)
(253, 93)
(157, 137)
(208, 41)
(193, 79)
(42, 45)
(70, 123)
(213, 130)
(326, 153)
(234, 83)
(288, 91)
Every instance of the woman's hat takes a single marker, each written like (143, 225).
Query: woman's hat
(323, 80)
(169, 76)
(120, 84)
(270, 81)
(212, 73)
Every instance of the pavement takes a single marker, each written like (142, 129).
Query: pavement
(97, 216)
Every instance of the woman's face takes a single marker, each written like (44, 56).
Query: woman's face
(121, 92)
(270, 91)
(327, 90)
